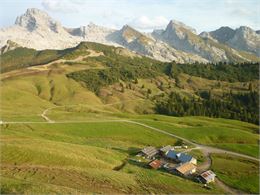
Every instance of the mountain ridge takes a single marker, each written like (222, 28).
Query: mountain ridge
(178, 42)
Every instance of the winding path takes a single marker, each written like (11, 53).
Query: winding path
(207, 150)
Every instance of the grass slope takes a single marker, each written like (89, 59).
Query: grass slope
(239, 173)
(34, 155)
(228, 134)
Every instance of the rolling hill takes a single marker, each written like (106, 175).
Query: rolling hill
(74, 119)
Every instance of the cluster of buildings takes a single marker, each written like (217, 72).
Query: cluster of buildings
(174, 162)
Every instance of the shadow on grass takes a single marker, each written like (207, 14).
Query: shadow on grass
(129, 151)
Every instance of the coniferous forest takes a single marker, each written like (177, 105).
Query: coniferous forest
(233, 106)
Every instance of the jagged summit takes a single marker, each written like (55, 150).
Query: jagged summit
(243, 38)
(127, 28)
(174, 24)
(179, 42)
(222, 34)
(34, 19)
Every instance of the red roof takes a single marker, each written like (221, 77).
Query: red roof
(155, 164)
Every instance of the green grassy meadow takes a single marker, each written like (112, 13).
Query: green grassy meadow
(80, 157)
(89, 147)
(234, 135)
(237, 172)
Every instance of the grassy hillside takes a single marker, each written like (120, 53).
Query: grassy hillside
(240, 173)
(117, 76)
(232, 135)
(33, 155)
(24, 57)
(92, 84)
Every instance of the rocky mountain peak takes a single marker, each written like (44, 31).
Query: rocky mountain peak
(128, 32)
(177, 25)
(34, 19)
(179, 42)
(222, 34)
(245, 31)
(127, 28)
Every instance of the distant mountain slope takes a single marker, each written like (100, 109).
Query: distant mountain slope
(242, 38)
(147, 45)
(184, 38)
(178, 42)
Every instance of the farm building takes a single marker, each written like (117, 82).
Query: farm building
(207, 176)
(165, 149)
(180, 157)
(149, 152)
(155, 164)
(185, 169)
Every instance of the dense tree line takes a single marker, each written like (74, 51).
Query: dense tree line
(230, 72)
(117, 68)
(242, 107)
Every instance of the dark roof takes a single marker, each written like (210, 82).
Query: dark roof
(172, 154)
(155, 164)
(185, 157)
(150, 151)
(208, 175)
(182, 157)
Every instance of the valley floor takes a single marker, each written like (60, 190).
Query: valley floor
(69, 155)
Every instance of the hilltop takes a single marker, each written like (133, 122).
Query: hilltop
(115, 74)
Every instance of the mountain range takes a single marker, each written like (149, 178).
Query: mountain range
(178, 42)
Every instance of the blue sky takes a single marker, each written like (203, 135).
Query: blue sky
(203, 15)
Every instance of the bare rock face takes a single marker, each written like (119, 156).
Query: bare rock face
(149, 46)
(222, 34)
(178, 42)
(242, 38)
(245, 39)
(184, 38)
(35, 19)
(92, 33)
(36, 29)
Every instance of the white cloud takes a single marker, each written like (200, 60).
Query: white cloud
(65, 6)
(146, 23)
(241, 12)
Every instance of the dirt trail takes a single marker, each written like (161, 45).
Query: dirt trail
(226, 188)
(207, 150)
